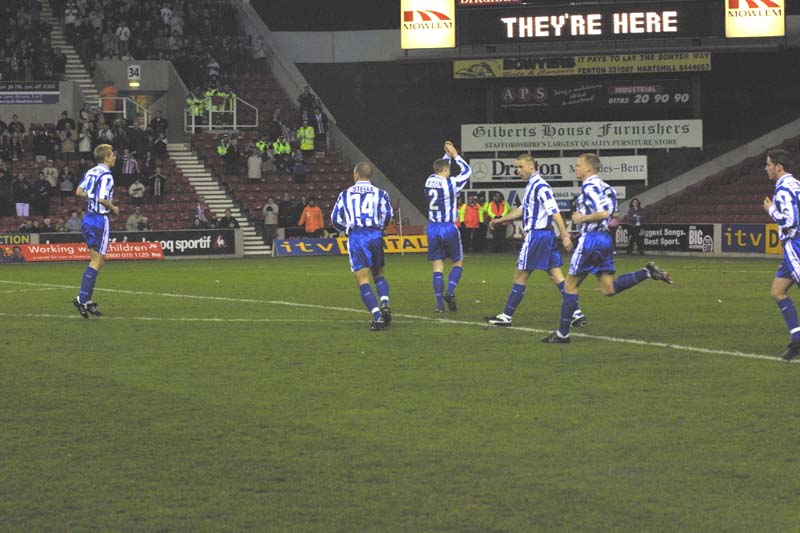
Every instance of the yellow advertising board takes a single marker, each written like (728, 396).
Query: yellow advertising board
(773, 243)
(599, 65)
(394, 244)
(755, 18)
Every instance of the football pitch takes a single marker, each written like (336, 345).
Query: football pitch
(250, 395)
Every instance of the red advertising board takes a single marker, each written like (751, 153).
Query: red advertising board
(130, 251)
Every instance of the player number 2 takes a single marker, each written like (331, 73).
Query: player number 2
(434, 194)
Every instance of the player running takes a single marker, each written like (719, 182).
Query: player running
(594, 253)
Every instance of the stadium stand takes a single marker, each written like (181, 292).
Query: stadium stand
(188, 34)
(178, 194)
(326, 179)
(733, 195)
(26, 53)
(204, 43)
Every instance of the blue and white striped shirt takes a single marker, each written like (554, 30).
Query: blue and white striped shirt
(538, 204)
(442, 193)
(785, 209)
(362, 206)
(596, 195)
(98, 182)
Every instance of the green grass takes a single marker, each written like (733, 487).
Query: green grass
(237, 411)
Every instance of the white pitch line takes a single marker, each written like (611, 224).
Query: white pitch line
(30, 290)
(181, 319)
(619, 340)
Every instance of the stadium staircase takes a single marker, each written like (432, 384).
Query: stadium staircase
(215, 197)
(75, 70)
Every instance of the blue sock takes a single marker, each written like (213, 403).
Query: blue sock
(568, 304)
(790, 317)
(577, 313)
(383, 289)
(87, 285)
(368, 297)
(438, 289)
(626, 281)
(453, 279)
(514, 298)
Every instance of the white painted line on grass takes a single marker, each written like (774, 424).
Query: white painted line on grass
(30, 290)
(181, 319)
(618, 340)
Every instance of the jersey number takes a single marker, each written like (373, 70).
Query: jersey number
(361, 204)
(434, 194)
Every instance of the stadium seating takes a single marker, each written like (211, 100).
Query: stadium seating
(176, 210)
(327, 178)
(733, 195)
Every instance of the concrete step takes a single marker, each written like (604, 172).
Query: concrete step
(216, 200)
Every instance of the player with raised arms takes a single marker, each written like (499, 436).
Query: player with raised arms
(444, 240)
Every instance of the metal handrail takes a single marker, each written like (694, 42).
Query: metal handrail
(218, 119)
(141, 110)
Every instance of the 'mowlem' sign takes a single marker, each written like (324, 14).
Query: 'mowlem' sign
(755, 18)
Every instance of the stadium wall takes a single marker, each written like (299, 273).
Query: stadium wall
(159, 82)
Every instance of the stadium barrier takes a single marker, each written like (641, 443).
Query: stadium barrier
(744, 240)
(33, 253)
(186, 244)
(392, 244)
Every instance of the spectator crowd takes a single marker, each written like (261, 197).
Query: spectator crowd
(25, 50)
(28, 193)
(198, 36)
